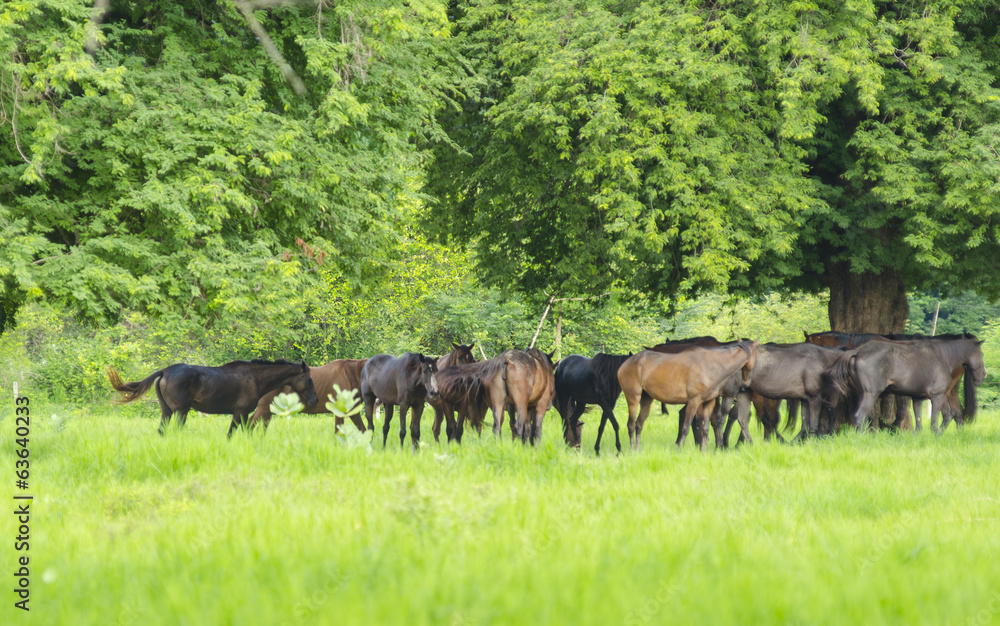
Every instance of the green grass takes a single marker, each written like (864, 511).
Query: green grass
(132, 528)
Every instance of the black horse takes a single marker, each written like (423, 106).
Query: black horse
(406, 381)
(581, 381)
(232, 389)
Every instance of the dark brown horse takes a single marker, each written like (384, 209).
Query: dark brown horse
(345, 373)
(231, 389)
(694, 378)
(916, 368)
(854, 340)
(791, 372)
(460, 354)
(406, 381)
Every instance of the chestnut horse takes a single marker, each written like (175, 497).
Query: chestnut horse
(345, 373)
(233, 388)
(460, 354)
(694, 378)
(406, 381)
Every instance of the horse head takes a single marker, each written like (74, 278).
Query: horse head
(302, 384)
(428, 367)
(975, 364)
(460, 355)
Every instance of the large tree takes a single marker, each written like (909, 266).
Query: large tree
(668, 147)
(168, 156)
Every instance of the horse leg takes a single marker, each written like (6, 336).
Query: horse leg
(436, 426)
(232, 426)
(165, 413)
(866, 401)
(705, 415)
(388, 420)
(357, 422)
(403, 408)
(717, 425)
(937, 405)
(645, 403)
(370, 412)
(418, 410)
(536, 426)
(633, 402)
(690, 410)
(742, 413)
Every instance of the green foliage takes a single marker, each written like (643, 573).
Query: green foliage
(774, 317)
(737, 147)
(173, 168)
(959, 313)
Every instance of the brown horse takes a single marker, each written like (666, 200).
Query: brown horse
(233, 388)
(406, 381)
(460, 354)
(726, 400)
(522, 379)
(345, 373)
(694, 378)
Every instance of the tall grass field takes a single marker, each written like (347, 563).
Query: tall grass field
(298, 527)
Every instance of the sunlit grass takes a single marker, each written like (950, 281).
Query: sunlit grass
(133, 528)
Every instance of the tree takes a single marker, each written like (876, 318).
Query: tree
(161, 160)
(742, 147)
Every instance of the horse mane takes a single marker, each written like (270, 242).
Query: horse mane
(260, 362)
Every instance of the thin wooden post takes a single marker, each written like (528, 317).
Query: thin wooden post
(937, 308)
(542, 321)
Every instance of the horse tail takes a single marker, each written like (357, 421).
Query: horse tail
(792, 419)
(838, 379)
(131, 391)
(971, 404)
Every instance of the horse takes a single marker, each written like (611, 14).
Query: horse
(694, 378)
(854, 340)
(522, 379)
(791, 372)
(580, 381)
(459, 355)
(406, 381)
(923, 368)
(727, 398)
(345, 373)
(233, 388)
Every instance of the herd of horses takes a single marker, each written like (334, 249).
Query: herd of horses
(715, 383)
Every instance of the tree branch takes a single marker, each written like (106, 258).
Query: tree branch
(271, 49)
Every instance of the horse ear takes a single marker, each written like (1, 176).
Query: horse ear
(454, 345)
(980, 342)
(552, 354)
(305, 368)
(806, 333)
(472, 345)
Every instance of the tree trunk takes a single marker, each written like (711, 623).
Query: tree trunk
(869, 303)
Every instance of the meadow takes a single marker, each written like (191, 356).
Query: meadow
(298, 527)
